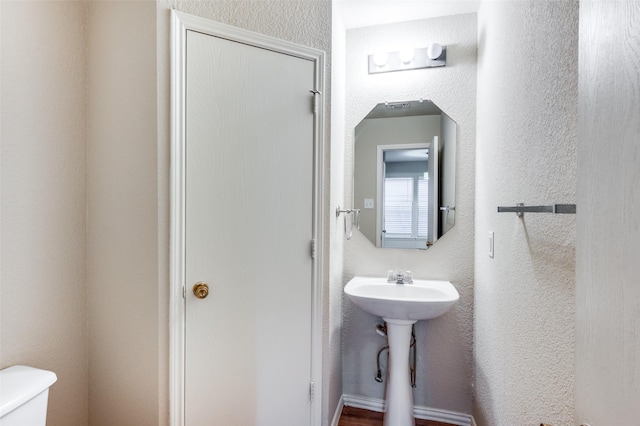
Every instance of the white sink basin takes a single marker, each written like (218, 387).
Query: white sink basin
(424, 299)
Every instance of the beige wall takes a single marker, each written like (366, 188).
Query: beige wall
(126, 329)
(444, 370)
(526, 152)
(43, 316)
(607, 366)
(78, 141)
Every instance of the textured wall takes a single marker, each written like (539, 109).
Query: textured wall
(444, 370)
(42, 290)
(122, 246)
(608, 226)
(303, 22)
(526, 152)
(332, 381)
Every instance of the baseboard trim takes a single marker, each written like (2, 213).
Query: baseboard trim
(419, 412)
(338, 413)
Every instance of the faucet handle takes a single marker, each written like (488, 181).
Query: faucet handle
(408, 277)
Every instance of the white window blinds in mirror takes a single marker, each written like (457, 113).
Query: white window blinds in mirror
(405, 207)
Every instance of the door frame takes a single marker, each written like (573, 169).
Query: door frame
(180, 24)
(380, 174)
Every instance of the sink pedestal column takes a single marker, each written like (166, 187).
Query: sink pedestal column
(399, 398)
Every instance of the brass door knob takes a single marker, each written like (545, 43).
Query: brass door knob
(201, 290)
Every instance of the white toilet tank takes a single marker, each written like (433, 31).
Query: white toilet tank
(24, 392)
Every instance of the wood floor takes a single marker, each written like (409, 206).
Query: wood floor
(358, 417)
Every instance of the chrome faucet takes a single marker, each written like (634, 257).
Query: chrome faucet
(399, 277)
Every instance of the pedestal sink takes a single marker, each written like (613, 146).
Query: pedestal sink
(401, 305)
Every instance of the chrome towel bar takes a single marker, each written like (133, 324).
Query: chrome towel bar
(521, 209)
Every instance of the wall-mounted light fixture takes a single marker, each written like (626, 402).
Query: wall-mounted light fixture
(408, 59)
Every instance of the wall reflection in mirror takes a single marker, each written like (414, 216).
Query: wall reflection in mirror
(404, 174)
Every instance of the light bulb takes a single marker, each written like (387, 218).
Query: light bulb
(434, 51)
(380, 58)
(406, 55)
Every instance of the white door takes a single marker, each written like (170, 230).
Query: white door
(249, 225)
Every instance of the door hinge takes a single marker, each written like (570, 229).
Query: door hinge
(184, 292)
(314, 100)
(313, 248)
(312, 391)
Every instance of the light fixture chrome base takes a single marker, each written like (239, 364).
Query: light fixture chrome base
(420, 60)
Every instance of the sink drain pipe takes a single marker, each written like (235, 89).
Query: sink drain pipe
(379, 373)
(381, 329)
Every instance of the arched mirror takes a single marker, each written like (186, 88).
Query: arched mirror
(404, 174)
